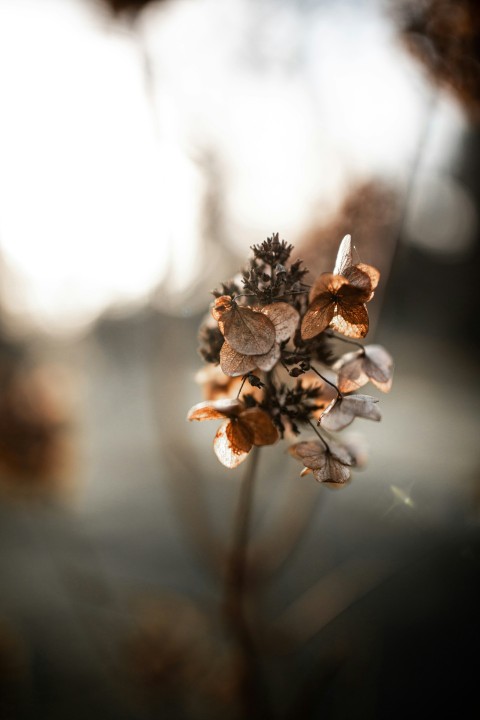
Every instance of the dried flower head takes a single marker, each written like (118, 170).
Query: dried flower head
(243, 427)
(338, 299)
(262, 332)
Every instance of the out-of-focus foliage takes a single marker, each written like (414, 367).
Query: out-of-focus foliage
(445, 36)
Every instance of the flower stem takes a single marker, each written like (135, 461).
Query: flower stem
(339, 394)
(252, 689)
(320, 436)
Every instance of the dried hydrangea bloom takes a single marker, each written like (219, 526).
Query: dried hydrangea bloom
(285, 321)
(372, 363)
(278, 336)
(338, 300)
(242, 428)
(343, 411)
(330, 464)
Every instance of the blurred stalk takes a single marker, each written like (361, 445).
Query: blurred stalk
(252, 687)
(399, 250)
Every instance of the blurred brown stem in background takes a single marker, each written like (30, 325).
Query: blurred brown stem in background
(236, 585)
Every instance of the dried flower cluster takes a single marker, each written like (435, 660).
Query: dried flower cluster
(268, 326)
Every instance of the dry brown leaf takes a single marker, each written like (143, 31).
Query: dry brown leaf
(344, 410)
(247, 331)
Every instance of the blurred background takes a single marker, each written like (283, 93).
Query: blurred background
(144, 146)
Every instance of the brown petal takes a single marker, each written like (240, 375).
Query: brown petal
(209, 410)
(372, 273)
(360, 281)
(333, 473)
(248, 332)
(310, 453)
(351, 372)
(350, 319)
(240, 435)
(229, 454)
(344, 256)
(344, 410)
(259, 423)
(268, 361)
(379, 366)
(318, 316)
(234, 363)
(285, 319)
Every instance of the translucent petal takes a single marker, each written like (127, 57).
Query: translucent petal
(350, 319)
(344, 256)
(228, 455)
(344, 410)
(285, 319)
(379, 366)
(318, 316)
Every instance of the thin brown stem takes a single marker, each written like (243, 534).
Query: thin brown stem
(241, 386)
(318, 434)
(253, 694)
(339, 394)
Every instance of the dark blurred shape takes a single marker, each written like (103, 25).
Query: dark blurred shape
(13, 666)
(33, 447)
(174, 654)
(130, 8)
(445, 36)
